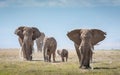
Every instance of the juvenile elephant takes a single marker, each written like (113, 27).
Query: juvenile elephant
(63, 53)
(27, 35)
(84, 41)
(40, 42)
(49, 49)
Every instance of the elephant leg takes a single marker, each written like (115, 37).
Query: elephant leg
(91, 54)
(49, 59)
(66, 57)
(30, 53)
(54, 57)
(41, 45)
(88, 58)
(24, 51)
(46, 58)
(63, 59)
(45, 53)
(78, 52)
(30, 57)
(85, 59)
(27, 55)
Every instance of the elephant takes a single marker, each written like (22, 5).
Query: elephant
(40, 42)
(84, 41)
(63, 53)
(49, 49)
(27, 35)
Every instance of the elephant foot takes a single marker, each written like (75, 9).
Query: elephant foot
(54, 61)
(45, 60)
(29, 59)
(85, 67)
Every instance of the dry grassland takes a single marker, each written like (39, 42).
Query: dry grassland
(105, 62)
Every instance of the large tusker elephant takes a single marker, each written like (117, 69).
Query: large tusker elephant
(40, 42)
(63, 53)
(84, 41)
(49, 49)
(27, 35)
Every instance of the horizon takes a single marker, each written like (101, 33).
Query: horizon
(56, 17)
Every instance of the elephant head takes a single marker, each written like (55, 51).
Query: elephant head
(27, 35)
(40, 42)
(84, 41)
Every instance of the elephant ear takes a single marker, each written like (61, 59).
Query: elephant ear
(19, 31)
(74, 35)
(36, 33)
(98, 36)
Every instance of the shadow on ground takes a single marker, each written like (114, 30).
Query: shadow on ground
(57, 62)
(105, 68)
(36, 60)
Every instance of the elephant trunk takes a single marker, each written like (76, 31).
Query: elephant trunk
(45, 54)
(24, 51)
(85, 51)
(27, 48)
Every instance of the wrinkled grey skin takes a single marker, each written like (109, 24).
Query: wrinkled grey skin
(64, 54)
(40, 42)
(27, 35)
(84, 41)
(49, 49)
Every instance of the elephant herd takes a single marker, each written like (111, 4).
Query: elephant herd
(84, 41)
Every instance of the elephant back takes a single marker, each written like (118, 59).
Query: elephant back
(50, 43)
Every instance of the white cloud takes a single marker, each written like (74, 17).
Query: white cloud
(58, 3)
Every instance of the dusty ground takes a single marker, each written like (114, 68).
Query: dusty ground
(13, 55)
(99, 55)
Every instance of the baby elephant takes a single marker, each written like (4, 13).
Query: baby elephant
(63, 53)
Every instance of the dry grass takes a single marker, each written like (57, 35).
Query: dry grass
(105, 62)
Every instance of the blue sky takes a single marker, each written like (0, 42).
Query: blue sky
(56, 17)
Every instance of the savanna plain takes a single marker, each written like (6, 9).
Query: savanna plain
(105, 62)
